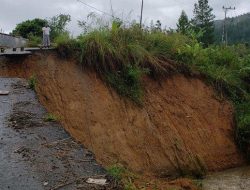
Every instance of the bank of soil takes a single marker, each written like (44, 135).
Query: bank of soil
(35, 154)
(183, 127)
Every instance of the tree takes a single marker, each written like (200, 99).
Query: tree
(58, 24)
(158, 26)
(30, 28)
(204, 21)
(183, 24)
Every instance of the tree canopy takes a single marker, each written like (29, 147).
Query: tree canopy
(204, 21)
(30, 28)
(183, 24)
(58, 24)
(33, 28)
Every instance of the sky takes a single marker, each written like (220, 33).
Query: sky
(13, 12)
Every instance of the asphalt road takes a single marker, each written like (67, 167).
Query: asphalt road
(37, 155)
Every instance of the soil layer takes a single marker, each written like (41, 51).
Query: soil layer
(183, 127)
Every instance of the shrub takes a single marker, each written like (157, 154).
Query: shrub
(67, 47)
(34, 41)
(127, 82)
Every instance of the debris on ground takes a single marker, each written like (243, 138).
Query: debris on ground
(4, 93)
(97, 181)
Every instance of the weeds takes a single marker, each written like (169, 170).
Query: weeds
(32, 82)
(51, 118)
(34, 41)
(228, 70)
(127, 82)
(67, 47)
(123, 55)
(123, 175)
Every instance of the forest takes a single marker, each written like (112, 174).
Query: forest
(238, 29)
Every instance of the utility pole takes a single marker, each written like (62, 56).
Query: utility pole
(224, 34)
(142, 4)
(111, 8)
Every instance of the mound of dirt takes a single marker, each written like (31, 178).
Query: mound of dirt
(183, 128)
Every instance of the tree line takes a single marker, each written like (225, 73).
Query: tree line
(238, 29)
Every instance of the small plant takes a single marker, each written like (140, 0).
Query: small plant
(116, 171)
(51, 118)
(32, 82)
(119, 173)
(127, 82)
(66, 46)
(34, 41)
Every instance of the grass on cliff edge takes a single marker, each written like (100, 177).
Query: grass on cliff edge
(123, 55)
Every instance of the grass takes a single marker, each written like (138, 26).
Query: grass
(34, 41)
(51, 118)
(32, 82)
(228, 70)
(121, 174)
(122, 56)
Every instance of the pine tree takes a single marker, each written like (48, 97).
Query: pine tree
(204, 20)
(183, 24)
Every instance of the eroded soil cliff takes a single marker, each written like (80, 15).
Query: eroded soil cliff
(182, 128)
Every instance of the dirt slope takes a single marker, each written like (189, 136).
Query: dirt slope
(182, 128)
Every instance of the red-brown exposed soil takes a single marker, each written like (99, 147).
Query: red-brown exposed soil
(182, 128)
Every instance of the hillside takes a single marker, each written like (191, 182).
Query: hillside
(165, 137)
(159, 106)
(238, 29)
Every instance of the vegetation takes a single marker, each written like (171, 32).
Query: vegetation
(58, 24)
(183, 25)
(204, 21)
(32, 29)
(32, 82)
(51, 118)
(121, 174)
(123, 55)
(238, 29)
(228, 70)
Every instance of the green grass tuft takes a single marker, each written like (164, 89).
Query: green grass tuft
(121, 174)
(51, 118)
(32, 82)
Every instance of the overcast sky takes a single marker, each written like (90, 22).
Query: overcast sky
(168, 11)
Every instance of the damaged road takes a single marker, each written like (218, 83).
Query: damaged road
(35, 154)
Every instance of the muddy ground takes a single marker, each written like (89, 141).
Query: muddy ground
(35, 154)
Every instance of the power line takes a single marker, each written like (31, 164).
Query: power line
(90, 6)
(111, 8)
